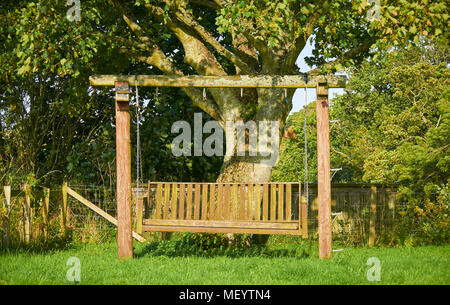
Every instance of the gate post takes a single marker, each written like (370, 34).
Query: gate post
(323, 170)
(123, 159)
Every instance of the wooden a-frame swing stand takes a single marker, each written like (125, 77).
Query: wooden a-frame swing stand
(243, 221)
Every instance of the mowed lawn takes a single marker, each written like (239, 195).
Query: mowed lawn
(99, 265)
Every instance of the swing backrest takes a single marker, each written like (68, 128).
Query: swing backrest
(268, 208)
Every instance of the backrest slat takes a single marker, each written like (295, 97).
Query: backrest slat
(258, 202)
(280, 201)
(189, 202)
(273, 201)
(204, 201)
(197, 201)
(219, 209)
(159, 190)
(173, 201)
(242, 212)
(265, 215)
(166, 200)
(212, 202)
(226, 214)
(182, 199)
(235, 202)
(288, 201)
(249, 202)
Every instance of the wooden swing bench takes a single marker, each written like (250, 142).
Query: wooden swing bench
(255, 208)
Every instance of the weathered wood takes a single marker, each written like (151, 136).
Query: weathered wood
(204, 201)
(265, 215)
(182, 200)
(250, 201)
(218, 230)
(323, 171)
(234, 202)
(292, 225)
(303, 212)
(273, 202)
(27, 212)
(123, 193)
(212, 201)
(373, 215)
(147, 205)
(258, 202)
(233, 81)
(7, 205)
(45, 210)
(219, 210)
(159, 194)
(166, 209)
(288, 202)
(63, 215)
(174, 202)
(99, 211)
(197, 201)
(139, 215)
(280, 202)
(227, 205)
(242, 197)
(189, 202)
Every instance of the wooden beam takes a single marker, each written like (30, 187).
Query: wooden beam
(123, 159)
(234, 81)
(323, 171)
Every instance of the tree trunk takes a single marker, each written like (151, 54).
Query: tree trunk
(272, 109)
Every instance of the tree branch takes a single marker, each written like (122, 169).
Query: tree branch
(158, 59)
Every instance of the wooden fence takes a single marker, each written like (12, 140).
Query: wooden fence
(206, 207)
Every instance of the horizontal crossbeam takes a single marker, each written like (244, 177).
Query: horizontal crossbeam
(234, 81)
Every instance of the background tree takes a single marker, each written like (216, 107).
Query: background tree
(220, 37)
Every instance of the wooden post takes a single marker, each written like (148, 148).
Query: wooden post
(45, 209)
(7, 204)
(63, 214)
(323, 171)
(123, 157)
(373, 215)
(27, 212)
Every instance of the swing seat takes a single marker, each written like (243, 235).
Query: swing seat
(269, 208)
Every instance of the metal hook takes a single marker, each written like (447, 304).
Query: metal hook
(285, 96)
(204, 94)
(242, 92)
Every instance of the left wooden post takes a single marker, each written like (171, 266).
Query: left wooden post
(123, 159)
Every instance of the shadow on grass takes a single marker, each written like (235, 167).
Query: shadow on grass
(41, 245)
(180, 248)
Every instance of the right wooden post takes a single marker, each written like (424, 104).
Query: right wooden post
(323, 171)
(123, 159)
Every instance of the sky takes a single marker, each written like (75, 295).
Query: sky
(298, 100)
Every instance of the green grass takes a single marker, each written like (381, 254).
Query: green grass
(286, 261)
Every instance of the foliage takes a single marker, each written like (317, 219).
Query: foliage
(425, 223)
